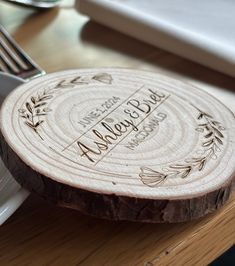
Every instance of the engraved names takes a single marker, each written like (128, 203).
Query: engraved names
(108, 132)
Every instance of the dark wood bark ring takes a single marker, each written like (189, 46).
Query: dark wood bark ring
(163, 151)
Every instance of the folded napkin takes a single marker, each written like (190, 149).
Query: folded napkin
(202, 31)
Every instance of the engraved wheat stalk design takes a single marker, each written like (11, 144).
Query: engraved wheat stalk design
(36, 108)
(210, 147)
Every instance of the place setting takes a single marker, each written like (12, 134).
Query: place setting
(115, 143)
(117, 132)
(12, 60)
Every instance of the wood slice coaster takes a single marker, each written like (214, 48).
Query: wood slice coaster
(120, 144)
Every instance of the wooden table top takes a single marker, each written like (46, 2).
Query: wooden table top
(39, 233)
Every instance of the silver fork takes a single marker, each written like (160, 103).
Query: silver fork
(14, 60)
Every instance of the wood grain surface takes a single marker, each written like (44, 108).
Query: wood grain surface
(121, 144)
(42, 234)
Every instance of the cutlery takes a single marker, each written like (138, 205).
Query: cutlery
(42, 4)
(13, 60)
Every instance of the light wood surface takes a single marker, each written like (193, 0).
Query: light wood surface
(121, 144)
(42, 234)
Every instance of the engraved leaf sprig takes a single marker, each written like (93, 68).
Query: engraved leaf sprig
(213, 136)
(212, 141)
(34, 110)
(36, 107)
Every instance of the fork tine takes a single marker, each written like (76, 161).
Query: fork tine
(8, 62)
(14, 60)
(10, 51)
(3, 67)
